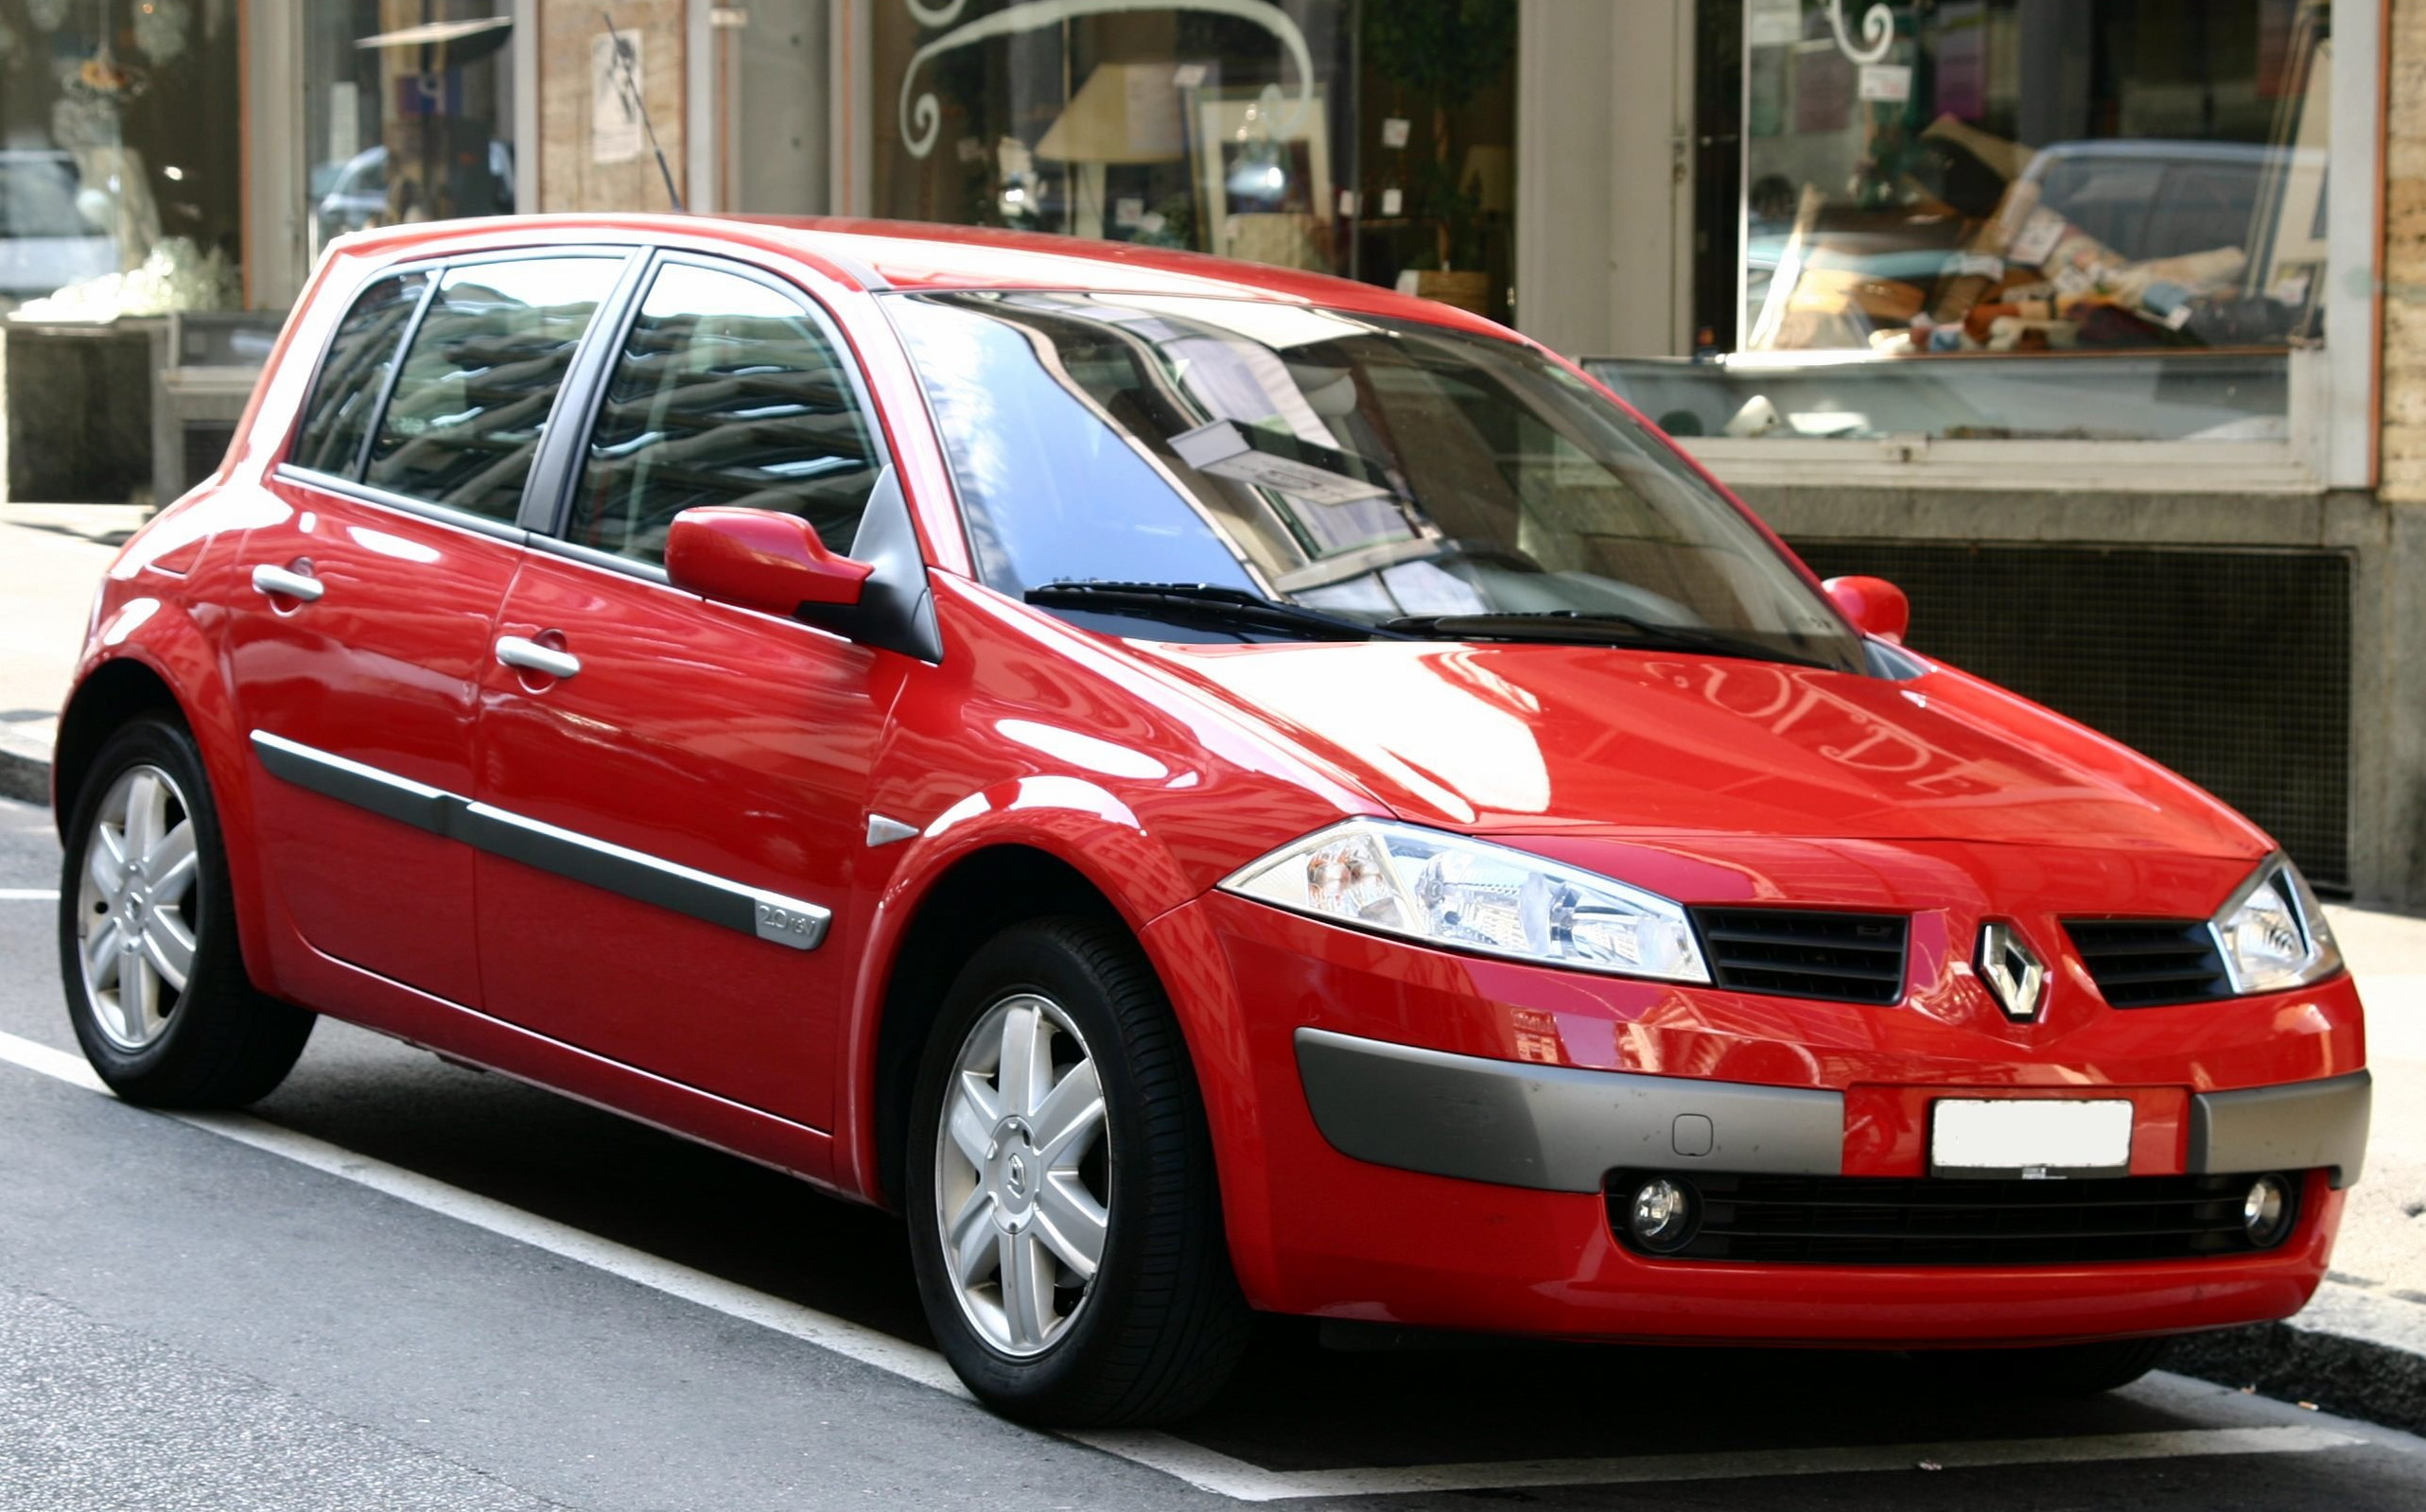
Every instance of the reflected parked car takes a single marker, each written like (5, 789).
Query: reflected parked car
(1207, 788)
(356, 193)
(47, 241)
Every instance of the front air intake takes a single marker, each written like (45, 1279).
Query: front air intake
(1804, 953)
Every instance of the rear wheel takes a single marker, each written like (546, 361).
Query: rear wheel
(1064, 1221)
(156, 988)
(2056, 1370)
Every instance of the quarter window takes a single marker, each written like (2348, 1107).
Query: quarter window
(472, 400)
(727, 393)
(337, 416)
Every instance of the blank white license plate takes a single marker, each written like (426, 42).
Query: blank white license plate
(2041, 1137)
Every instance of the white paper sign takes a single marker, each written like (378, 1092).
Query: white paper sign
(1394, 131)
(1888, 83)
(1774, 22)
(614, 135)
(1392, 202)
(1129, 210)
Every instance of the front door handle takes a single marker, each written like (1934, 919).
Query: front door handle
(280, 584)
(514, 651)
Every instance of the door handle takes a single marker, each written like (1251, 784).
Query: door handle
(514, 651)
(279, 582)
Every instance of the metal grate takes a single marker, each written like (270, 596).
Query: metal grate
(2150, 963)
(1935, 1220)
(2232, 667)
(206, 443)
(1793, 953)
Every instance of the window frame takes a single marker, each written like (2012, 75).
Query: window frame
(563, 455)
(352, 484)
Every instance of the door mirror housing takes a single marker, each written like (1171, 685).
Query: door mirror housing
(1876, 606)
(759, 558)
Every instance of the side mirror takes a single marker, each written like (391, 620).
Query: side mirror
(759, 558)
(1876, 606)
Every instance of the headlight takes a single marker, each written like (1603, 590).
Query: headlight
(1470, 895)
(2272, 932)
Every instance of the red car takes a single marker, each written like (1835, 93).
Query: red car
(1207, 788)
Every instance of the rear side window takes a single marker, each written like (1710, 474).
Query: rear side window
(726, 391)
(338, 415)
(464, 422)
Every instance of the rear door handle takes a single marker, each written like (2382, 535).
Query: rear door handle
(279, 582)
(513, 651)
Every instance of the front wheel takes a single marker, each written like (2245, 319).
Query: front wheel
(1063, 1216)
(156, 986)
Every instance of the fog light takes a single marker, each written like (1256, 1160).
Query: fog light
(2265, 1213)
(1661, 1218)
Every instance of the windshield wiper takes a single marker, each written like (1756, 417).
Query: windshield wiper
(1576, 627)
(1205, 603)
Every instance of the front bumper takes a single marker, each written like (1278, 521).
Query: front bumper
(1560, 1129)
(1414, 1137)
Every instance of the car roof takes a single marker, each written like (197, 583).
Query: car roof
(879, 255)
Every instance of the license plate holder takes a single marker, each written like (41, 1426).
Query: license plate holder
(2044, 1139)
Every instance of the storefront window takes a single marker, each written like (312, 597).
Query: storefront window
(120, 189)
(1220, 126)
(1994, 196)
(409, 113)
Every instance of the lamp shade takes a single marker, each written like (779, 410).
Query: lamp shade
(1124, 112)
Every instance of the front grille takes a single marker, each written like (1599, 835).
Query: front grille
(1936, 1221)
(2150, 963)
(1798, 953)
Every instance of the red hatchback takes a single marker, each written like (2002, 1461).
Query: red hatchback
(1207, 788)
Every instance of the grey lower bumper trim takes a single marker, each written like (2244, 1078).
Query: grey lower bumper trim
(2297, 1126)
(1554, 1127)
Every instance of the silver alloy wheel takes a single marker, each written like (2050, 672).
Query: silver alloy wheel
(1022, 1174)
(137, 905)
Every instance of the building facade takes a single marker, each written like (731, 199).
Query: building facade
(2096, 323)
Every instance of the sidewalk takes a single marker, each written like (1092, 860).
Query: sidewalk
(2359, 1349)
(51, 558)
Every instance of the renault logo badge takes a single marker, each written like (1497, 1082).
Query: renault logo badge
(2012, 971)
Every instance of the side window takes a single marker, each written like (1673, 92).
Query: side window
(464, 422)
(726, 392)
(338, 412)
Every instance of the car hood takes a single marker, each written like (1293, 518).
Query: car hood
(1538, 739)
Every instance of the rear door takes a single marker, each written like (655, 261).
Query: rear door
(358, 652)
(677, 788)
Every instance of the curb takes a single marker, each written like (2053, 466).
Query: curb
(2353, 1378)
(25, 771)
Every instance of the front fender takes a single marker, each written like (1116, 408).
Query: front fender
(1073, 820)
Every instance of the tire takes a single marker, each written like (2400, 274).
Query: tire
(2048, 1371)
(208, 1040)
(1160, 1325)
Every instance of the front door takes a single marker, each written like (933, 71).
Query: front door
(358, 647)
(676, 789)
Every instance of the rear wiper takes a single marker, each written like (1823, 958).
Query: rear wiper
(1205, 603)
(1581, 628)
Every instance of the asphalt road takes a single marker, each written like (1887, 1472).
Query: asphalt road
(400, 1284)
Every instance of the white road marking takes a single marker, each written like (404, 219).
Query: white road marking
(28, 895)
(1205, 1469)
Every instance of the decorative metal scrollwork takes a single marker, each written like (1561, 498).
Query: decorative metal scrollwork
(1877, 32)
(921, 117)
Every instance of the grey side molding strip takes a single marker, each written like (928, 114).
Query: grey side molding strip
(1554, 1128)
(632, 874)
(2296, 1126)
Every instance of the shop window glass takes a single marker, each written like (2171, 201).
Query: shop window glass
(120, 184)
(407, 112)
(727, 393)
(359, 356)
(1927, 187)
(472, 399)
(1374, 141)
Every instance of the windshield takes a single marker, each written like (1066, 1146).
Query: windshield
(1385, 473)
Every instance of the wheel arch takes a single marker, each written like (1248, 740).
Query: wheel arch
(973, 897)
